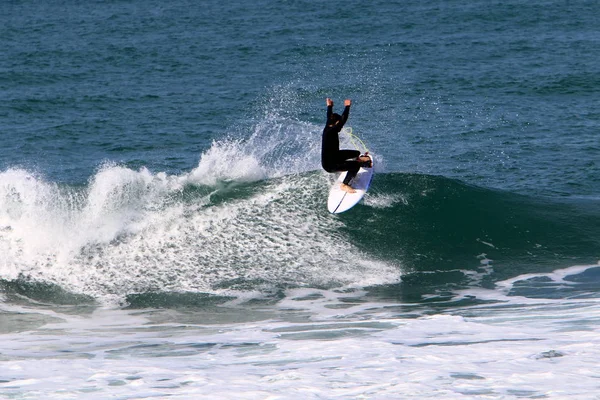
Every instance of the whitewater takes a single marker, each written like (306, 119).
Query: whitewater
(312, 344)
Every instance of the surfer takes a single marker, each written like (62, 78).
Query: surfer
(332, 158)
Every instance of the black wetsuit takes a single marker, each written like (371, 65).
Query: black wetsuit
(332, 158)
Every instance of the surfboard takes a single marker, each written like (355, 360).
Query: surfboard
(340, 201)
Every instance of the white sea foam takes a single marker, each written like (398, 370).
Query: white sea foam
(557, 276)
(226, 161)
(381, 200)
(313, 344)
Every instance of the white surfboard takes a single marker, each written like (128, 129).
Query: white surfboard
(340, 201)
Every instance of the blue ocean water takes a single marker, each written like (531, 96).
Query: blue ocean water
(162, 209)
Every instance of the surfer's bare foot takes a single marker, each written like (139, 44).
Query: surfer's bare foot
(347, 188)
(365, 160)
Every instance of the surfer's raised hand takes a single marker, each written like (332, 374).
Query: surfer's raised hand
(329, 102)
(347, 102)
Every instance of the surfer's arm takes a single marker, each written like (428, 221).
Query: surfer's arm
(346, 112)
(329, 103)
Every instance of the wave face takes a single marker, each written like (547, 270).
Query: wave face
(221, 232)
(431, 220)
(450, 235)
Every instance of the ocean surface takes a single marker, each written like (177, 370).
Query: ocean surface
(163, 224)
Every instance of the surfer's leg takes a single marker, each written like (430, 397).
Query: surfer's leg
(344, 155)
(352, 167)
(347, 161)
